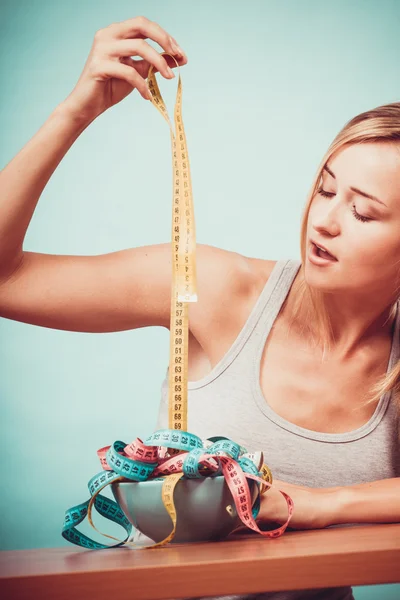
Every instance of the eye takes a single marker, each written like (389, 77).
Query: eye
(353, 210)
(358, 216)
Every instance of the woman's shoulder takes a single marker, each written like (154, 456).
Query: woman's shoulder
(229, 285)
(262, 270)
(259, 270)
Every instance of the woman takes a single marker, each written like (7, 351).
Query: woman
(284, 354)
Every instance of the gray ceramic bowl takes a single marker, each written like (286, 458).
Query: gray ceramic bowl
(200, 508)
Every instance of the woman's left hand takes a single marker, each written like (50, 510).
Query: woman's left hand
(313, 507)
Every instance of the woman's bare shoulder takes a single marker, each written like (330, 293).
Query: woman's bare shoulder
(261, 269)
(236, 289)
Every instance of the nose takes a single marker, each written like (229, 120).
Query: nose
(325, 218)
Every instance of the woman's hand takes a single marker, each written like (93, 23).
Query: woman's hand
(313, 507)
(110, 74)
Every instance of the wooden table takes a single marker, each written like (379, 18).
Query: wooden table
(246, 562)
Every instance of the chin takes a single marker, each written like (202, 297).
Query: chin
(321, 279)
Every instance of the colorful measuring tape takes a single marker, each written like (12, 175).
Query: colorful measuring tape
(174, 453)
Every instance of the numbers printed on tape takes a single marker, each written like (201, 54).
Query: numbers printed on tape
(184, 280)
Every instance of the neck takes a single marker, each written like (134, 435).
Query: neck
(355, 324)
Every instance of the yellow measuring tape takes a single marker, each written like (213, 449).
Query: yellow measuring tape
(184, 280)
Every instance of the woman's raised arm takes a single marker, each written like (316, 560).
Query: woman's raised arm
(109, 75)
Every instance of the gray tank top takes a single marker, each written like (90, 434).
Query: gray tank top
(229, 401)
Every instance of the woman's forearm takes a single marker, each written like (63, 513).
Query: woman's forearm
(25, 176)
(372, 502)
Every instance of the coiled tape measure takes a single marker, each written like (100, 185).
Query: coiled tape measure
(174, 453)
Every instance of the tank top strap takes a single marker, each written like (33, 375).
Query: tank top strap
(264, 310)
(271, 300)
(396, 334)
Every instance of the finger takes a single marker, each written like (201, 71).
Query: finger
(172, 60)
(140, 48)
(126, 60)
(141, 27)
(143, 66)
(130, 75)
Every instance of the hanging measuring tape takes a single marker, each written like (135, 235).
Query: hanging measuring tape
(174, 453)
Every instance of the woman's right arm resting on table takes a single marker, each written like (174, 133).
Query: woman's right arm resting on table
(121, 290)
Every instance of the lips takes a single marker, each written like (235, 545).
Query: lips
(329, 254)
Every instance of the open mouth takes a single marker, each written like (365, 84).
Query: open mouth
(317, 252)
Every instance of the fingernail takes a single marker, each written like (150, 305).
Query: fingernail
(170, 72)
(174, 45)
(175, 48)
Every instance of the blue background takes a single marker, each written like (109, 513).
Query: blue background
(267, 87)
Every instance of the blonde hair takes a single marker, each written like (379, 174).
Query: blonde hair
(381, 124)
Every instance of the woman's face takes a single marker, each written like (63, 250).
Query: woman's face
(363, 234)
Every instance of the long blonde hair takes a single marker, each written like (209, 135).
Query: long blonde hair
(381, 124)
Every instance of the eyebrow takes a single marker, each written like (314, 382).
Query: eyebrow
(354, 189)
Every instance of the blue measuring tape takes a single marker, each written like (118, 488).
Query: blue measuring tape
(124, 468)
